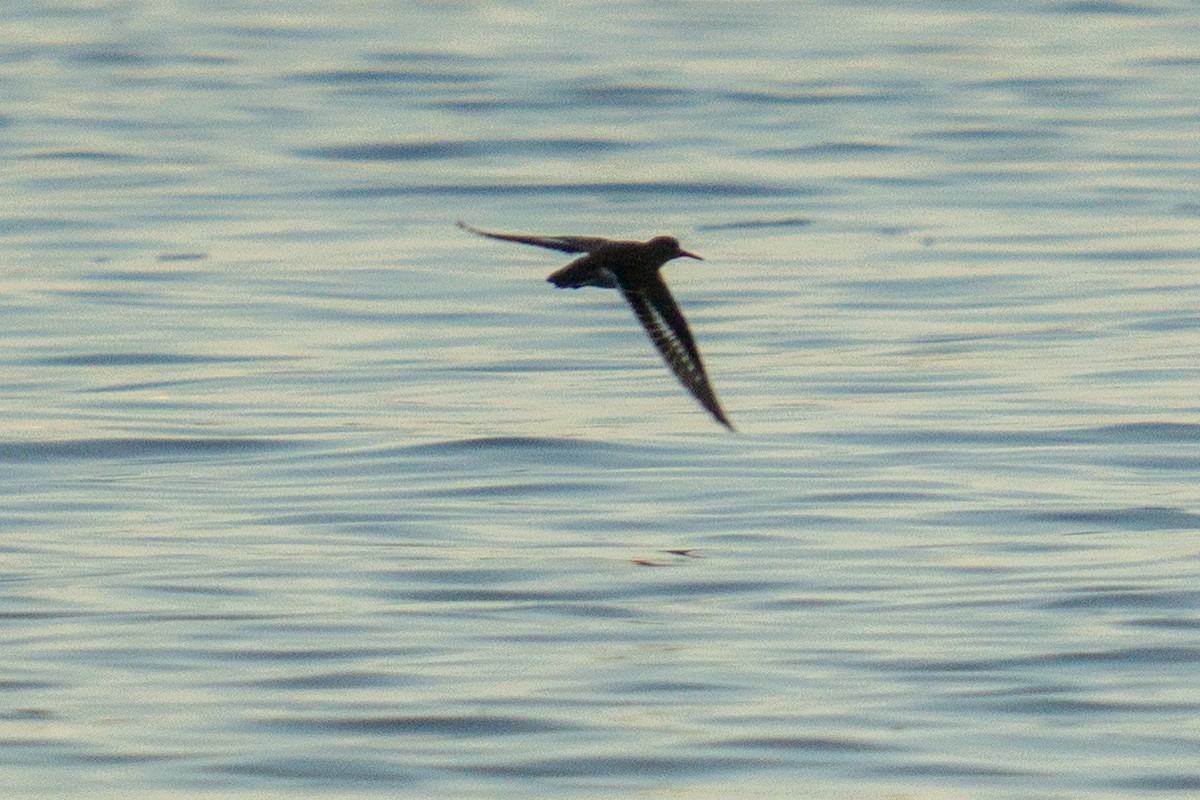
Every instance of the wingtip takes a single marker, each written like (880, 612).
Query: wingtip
(471, 229)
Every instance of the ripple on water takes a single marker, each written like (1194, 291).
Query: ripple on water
(123, 449)
(616, 190)
(472, 148)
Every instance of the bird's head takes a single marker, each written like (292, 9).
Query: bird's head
(668, 247)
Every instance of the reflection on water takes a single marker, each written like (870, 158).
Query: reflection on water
(304, 494)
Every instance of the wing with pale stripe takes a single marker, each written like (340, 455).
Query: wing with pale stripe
(664, 323)
(565, 244)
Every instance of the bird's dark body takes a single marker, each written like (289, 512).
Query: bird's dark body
(617, 264)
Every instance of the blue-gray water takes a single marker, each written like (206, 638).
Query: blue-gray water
(306, 493)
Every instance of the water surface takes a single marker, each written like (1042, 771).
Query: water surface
(306, 493)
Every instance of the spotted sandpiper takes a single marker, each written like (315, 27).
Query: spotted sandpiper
(633, 267)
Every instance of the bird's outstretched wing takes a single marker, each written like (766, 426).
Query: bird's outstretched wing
(565, 244)
(664, 323)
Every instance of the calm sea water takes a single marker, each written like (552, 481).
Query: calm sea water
(306, 493)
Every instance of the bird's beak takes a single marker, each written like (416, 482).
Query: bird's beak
(686, 254)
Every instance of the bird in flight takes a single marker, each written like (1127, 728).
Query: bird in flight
(633, 268)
